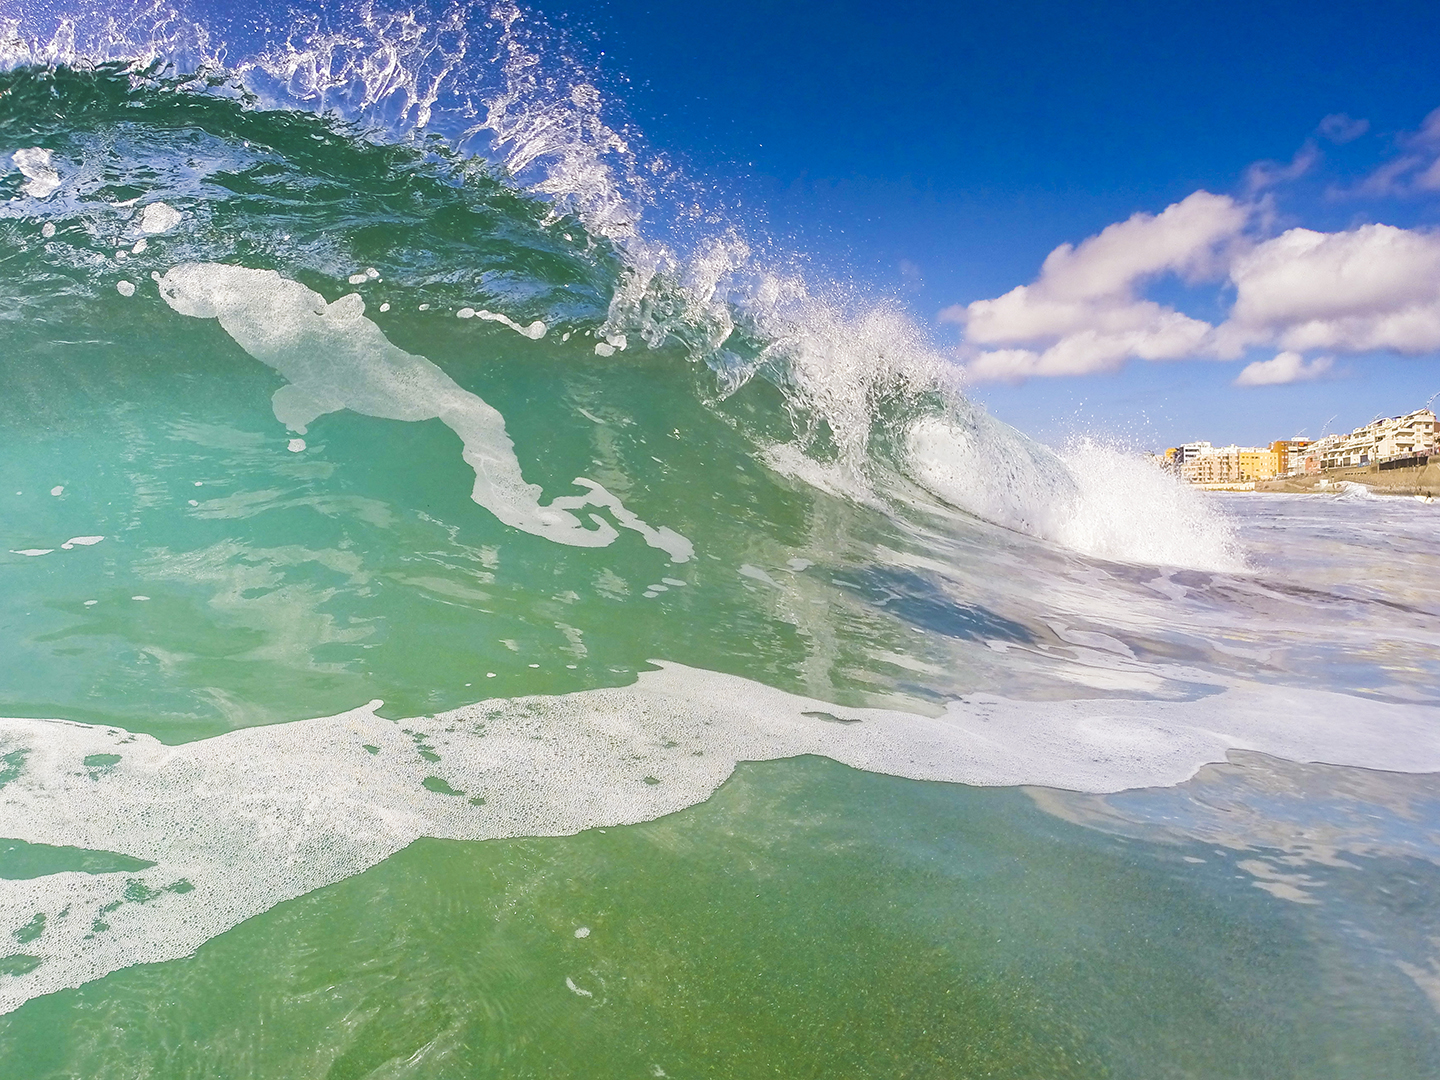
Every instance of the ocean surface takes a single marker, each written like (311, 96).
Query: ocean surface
(473, 605)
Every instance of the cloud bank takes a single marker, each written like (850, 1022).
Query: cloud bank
(1083, 313)
(1372, 287)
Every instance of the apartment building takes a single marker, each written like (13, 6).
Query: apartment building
(1289, 455)
(1396, 440)
(1380, 440)
(1174, 459)
(1229, 465)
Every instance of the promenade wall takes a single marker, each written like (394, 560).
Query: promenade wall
(1423, 480)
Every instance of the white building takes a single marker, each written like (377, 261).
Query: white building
(1380, 440)
(1190, 451)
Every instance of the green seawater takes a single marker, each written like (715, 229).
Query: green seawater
(178, 562)
(282, 585)
(808, 920)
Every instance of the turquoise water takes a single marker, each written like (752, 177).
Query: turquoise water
(807, 921)
(422, 542)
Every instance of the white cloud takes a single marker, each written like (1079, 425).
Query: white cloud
(1169, 336)
(1082, 314)
(1266, 174)
(1374, 287)
(1004, 365)
(1286, 367)
(1105, 268)
(1371, 288)
(1416, 169)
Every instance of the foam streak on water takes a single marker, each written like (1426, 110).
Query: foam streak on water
(335, 358)
(236, 824)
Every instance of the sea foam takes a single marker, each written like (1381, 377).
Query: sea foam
(335, 358)
(238, 823)
(1097, 500)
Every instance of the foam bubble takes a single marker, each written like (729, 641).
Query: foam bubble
(678, 547)
(236, 824)
(157, 218)
(41, 177)
(981, 466)
(1351, 490)
(1129, 510)
(125, 288)
(755, 573)
(1097, 500)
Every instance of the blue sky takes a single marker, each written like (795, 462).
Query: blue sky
(942, 151)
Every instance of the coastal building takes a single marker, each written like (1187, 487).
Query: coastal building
(1174, 459)
(1229, 465)
(1190, 451)
(1306, 461)
(1390, 439)
(1382, 440)
(1289, 455)
(1395, 442)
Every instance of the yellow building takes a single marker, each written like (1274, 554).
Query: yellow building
(1231, 465)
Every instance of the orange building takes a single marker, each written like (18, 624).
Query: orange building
(1289, 456)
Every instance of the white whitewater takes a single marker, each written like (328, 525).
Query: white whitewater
(239, 823)
(335, 358)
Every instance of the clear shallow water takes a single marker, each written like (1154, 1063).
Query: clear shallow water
(294, 412)
(807, 920)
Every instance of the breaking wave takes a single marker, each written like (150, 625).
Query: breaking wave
(486, 97)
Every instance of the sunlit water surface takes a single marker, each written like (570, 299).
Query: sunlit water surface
(451, 631)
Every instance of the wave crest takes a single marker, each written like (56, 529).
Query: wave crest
(865, 387)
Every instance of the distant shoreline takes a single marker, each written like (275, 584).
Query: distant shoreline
(1424, 480)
